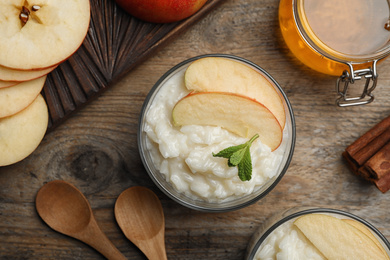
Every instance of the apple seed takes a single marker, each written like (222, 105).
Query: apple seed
(23, 17)
(35, 8)
(25, 10)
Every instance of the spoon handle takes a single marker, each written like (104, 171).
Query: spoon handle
(95, 237)
(153, 248)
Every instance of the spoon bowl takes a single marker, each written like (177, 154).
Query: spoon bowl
(139, 214)
(65, 209)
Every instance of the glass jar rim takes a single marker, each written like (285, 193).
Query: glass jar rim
(326, 51)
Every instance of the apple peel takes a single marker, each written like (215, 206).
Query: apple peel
(6, 84)
(13, 75)
(161, 11)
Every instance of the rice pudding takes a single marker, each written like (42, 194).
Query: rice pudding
(287, 242)
(184, 154)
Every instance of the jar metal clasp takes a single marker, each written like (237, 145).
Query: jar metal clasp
(349, 77)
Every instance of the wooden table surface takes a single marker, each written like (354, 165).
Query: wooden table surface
(96, 150)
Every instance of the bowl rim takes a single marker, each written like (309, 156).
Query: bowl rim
(258, 241)
(228, 207)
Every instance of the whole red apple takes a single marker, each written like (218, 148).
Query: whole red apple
(161, 11)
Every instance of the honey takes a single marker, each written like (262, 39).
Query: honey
(328, 35)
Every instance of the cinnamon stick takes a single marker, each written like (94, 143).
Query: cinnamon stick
(369, 155)
(370, 149)
(383, 184)
(379, 165)
(351, 163)
(368, 137)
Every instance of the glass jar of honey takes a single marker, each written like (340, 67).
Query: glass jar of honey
(345, 38)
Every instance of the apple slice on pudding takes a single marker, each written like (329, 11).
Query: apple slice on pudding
(362, 228)
(336, 239)
(21, 133)
(217, 74)
(16, 98)
(238, 114)
(40, 34)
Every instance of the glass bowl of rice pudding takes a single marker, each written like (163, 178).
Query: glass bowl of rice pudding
(180, 161)
(317, 233)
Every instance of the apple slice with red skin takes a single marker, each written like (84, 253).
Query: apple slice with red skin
(7, 74)
(217, 74)
(238, 114)
(161, 11)
(20, 134)
(40, 34)
(16, 98)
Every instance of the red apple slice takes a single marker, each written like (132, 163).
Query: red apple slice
(21, 133)
(16, 98)
(7, 74)
(40, 33)
(6, 84)
(238, 114)
(215, 74)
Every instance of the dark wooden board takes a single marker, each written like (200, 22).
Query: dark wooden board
(115, 44)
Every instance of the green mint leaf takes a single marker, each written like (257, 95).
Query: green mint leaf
(228, 152)
(239, 156)
(245, 167)
(231, 165)
(236, 157)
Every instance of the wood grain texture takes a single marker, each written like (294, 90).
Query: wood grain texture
(96, 150)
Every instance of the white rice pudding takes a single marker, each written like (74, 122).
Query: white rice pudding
(184, 154)
(287, 243)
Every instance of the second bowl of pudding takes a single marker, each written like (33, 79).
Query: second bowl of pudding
(317, 233)
(216, 133)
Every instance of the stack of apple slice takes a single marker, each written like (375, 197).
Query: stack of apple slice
(234, 96)
(340, 238)
(35, 37)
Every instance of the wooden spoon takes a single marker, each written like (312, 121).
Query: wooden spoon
(65, 209)
(139, 214)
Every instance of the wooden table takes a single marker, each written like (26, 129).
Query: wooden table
(96, 150)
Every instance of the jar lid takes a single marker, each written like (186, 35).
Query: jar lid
(348, 31)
